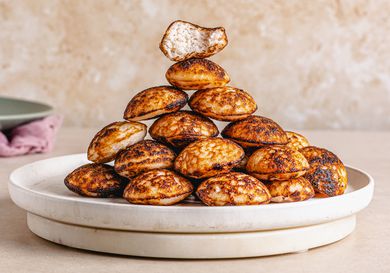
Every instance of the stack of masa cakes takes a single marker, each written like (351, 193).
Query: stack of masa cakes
(253, 162)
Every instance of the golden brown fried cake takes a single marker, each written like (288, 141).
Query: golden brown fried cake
(255, 131)
(95, 180)
(183, 40)
(144, 156)
(208, 157)
(277, 163)
(181, 128)
(113, 138)
(296, 141)
(223, 103)
(157, 187)
(292, 190)
(233, 189)
(154, 102)
(327, 173)
(195, 74)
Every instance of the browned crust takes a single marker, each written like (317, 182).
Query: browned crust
(95, 180)
(211, 167)
(210, 66)
(292, 190)
(167, 184)
(98, 140)
(316, 155)
(204, 63)
(212, 102)
(270, 177)
(256, 130)
(231, 189)
(215, 169)
(188, 130)
(215, 75)
(134, 108)
(157, 201)
(279, 160)
(142, 157)
(211, 50)
(277, 163)
(296, 141)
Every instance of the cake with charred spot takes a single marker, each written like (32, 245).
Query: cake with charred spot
(181, 128)
(277, 163)
(154, 102)
(95, 180)
(144, 156)
(255, 132)
(327, 172)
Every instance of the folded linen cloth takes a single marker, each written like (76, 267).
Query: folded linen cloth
(35, 137)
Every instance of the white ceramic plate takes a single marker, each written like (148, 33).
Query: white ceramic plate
(38, 188)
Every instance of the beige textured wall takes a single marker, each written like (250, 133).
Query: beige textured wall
(309, 64)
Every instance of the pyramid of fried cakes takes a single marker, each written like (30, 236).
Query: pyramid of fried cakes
(252, 161)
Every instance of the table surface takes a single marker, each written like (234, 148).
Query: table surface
(367, 249)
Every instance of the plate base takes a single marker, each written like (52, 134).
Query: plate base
(192, 245)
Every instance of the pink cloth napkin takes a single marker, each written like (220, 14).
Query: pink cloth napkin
(35, 137)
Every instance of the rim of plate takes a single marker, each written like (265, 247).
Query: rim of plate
(47, 110)
(94, 201)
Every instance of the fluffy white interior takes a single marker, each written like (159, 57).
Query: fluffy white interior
(184, 38)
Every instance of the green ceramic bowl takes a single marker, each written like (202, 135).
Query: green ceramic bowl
(15, 111)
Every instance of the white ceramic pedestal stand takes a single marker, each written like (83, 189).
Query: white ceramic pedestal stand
(190, 245)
